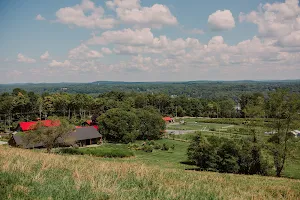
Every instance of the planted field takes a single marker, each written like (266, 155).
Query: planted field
(25, 174)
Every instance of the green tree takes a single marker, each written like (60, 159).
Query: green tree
(118, 125)
(284, 109)
(151, 124)
(228, 157)
(203, 153)
(50, 137)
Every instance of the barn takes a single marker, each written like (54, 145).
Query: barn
(83, 136)
(28, 126)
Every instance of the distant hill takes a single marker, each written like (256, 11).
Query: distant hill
(202, 88)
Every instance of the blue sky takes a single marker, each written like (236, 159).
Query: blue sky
(148, 40)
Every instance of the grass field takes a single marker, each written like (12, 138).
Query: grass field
(26, 174)
(193, 125)
(292, 168)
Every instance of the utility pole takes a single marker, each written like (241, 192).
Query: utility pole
(176, 111)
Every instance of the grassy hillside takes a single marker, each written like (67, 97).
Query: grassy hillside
(25, 174)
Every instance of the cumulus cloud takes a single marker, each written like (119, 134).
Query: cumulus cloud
(131, 12)
(45, 56)
(55, 63)
(129, 4)
(106, 51)
(136, 64)
(290, 40)
(40, 17)
(279, 21)
(25, 59)
(83, 52)
(86, 14)
(221, 20)
(126, 36)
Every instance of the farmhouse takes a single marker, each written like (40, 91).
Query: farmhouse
(82, 136)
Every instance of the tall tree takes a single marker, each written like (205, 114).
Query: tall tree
(151, 124)
(119, 125)
(284, 109)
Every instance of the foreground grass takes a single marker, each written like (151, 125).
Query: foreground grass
(25, 174)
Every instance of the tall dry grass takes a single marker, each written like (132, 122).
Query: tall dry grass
(121, 180)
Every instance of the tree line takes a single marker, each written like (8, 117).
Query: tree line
(196, 89)
(20, 105)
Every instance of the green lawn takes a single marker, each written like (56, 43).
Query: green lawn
(165, 159)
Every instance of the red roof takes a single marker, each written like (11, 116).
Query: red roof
(89, 122)
(167, 119)
(27, 126)
(96, 127)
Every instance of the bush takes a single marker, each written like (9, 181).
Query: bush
(165, 147)
(157, 146)
(212, 129)
(133, 146)
(228, 155)
(173, 147)
(147, 148)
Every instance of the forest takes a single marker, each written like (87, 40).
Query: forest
(197, 89)
(22, 105)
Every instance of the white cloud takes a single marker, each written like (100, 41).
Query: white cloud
(221, 20)
(155, 16)
(25, 59)
(39, 17)
(55, 63)
(126, 36)
(106, 51)
(83, 52)
(129, 4)
(45, 56)
(136, 64)
(78, 15)
(290, 40)
(131, 12)
(277, 20)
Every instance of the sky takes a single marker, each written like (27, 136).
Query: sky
(148, 40)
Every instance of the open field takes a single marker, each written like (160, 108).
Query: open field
(25, 174)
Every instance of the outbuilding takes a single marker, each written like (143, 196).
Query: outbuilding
(82, 136)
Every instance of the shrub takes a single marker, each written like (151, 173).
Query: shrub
(228, 155)
(99, 152)
(165, 147)
(173, 147)
(147, 148)
(157, 146)
(212, 129)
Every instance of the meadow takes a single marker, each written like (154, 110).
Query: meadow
(27, 174)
